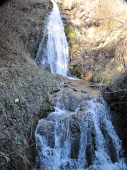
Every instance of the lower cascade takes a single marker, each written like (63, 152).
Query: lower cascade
(84, 139)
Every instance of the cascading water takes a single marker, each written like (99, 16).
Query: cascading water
(53, 53)
(80, 140)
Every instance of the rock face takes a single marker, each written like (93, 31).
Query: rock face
(70, 125)
(71, 94)
(66, 97)
(78, 134)
(94, 46)
(33, 39)
(116, 96)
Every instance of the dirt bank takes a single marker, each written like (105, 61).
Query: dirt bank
(24, 86)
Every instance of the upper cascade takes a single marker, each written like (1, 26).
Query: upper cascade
(53, 53)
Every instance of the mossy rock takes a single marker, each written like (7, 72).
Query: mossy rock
(70, 33)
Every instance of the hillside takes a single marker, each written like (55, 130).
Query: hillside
(24, 86)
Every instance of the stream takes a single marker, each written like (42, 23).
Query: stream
(79, 134)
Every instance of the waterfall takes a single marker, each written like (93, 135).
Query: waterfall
(79, 134)
(79, 140)
(53, 53)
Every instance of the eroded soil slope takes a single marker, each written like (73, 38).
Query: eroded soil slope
(24, 86)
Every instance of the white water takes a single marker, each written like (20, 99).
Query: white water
(80, 140)
(53, 53)
(99, 147)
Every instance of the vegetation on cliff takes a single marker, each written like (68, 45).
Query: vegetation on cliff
(98, 43)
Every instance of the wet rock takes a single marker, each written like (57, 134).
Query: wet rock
(83, 91)
(66, 85)
(75, 139)
(75, 89)
(45, 129)
(52, 109)
(65, 82)
(55, 89)
(47, 67)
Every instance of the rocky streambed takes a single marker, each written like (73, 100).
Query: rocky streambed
(78, 133)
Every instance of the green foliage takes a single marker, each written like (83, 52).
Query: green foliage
(25, 60)
(71, 35)
(25, 89)
(16, 100)
(5, 155)
(16, 142)
(47, 106)
(68, 30)
(1, 65)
